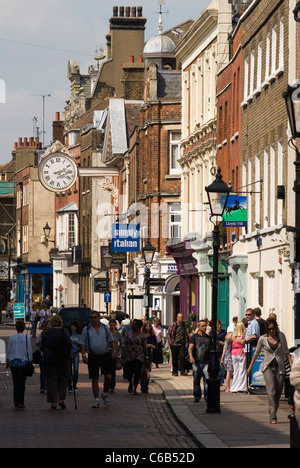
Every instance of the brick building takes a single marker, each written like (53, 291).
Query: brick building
(229, 131)
(34, 208)
(265, 160)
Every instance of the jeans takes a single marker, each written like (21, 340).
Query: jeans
(200, 371)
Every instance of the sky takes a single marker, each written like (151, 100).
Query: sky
(39, 37)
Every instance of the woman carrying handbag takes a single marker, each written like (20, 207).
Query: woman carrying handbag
(19, 359)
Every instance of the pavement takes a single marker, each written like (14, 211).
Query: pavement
(242, 423)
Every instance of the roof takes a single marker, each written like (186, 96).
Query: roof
(88, 117)
(169, 84)
(159, 44)
(67, 208)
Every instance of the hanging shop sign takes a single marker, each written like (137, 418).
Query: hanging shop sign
(125, 238)
(235, 213)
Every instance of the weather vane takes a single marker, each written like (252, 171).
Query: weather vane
(161, 3)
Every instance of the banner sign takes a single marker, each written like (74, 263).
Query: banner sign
(235, 213)
(257, 377)
(125, 238)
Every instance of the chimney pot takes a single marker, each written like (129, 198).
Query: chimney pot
(57, 116)
(141, 60)
(115, 11)
(127, 12)
(20, 142)
(131, 59)
(25, 142)
(16, 145)
(121, 11)
(133, 12)
(140, 11)
(31, 141)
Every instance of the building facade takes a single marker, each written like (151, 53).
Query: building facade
(265, 162)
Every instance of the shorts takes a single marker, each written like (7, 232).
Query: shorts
(95, 362)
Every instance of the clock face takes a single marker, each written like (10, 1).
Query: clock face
(58, 172)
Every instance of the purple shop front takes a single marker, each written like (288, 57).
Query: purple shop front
(189, 277)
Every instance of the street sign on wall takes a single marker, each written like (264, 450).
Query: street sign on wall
(125, 238)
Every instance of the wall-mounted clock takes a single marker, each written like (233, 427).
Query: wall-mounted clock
(58, 171)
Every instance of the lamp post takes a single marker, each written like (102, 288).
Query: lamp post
(292, 99)
(148, 254)
(218, 193)
(47, 230)
(107, 259)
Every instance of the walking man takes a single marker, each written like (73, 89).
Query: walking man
(199, 348)
(96, 339)
(178, 339)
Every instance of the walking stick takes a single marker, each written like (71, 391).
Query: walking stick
(72, 377)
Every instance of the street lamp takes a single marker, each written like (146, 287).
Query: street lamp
(292, 99)
(218, 193)
(107, 260)
(148, 253)
(47, 230)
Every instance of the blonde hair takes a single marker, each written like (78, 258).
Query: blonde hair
(228, 336)
(239, 331)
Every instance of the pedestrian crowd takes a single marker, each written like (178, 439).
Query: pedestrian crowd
(101, 345)
(234, 349)
(140, 345)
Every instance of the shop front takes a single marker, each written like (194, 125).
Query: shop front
(189, 278)
(34, 283)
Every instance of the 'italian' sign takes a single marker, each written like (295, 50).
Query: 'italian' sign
(125, 238)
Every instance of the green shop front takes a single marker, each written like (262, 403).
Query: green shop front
(34, 283)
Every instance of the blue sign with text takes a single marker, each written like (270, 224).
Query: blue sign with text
(125, 238)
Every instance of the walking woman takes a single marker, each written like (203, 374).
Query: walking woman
(276, 349)
(158, 353)
(239, 363)
(19, 353)
(134, 354)
(74, 363)
(57, 352)
(151, 347)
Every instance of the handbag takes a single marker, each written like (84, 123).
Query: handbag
(36, 357)
(29, 368)
(119, 364)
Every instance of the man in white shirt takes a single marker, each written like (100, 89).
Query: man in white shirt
(232, 326)
(97, 339)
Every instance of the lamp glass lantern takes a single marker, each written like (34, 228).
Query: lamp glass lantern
(292, 100)
(148, 253)
(107, 259)
(218, 193)
(47, 230)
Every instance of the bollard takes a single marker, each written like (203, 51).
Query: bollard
(294, 431)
